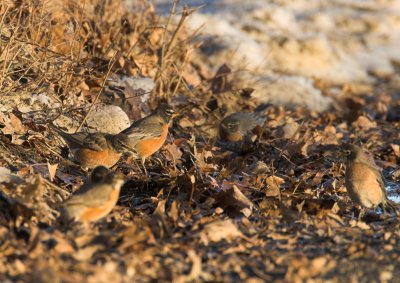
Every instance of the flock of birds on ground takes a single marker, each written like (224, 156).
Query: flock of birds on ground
(99, 151)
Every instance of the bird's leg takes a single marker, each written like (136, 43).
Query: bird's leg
(160, 163)
(383, 206)
(391, 205)
(144, 167)
(137, 166)
(132, 158)
(361, 214)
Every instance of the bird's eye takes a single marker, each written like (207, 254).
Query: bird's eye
(169, 111)
(346, 152)
(230, 126)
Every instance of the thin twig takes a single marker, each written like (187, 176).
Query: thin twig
(163, 48)
(163, 51)
(103, 84)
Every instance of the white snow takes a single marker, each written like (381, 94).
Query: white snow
(336, 41)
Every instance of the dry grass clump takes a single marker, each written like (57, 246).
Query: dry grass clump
(65, 47)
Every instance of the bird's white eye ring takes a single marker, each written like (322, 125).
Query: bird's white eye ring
(169, 111)
(347, 152)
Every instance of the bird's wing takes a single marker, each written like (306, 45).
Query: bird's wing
(250, 121)
(259, 119)
(379, 177)
(95, 141)
(246, 121)
(73, 140)
(143, 130)
(93, 196)
(387, 203)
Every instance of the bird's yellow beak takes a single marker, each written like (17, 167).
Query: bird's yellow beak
(175, 115)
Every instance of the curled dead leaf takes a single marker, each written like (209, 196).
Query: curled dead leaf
(172, 152)
(233, 201)
(273, 185)
(12, 124)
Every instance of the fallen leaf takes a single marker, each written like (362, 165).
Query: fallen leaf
(396, 149)
(172, 152)
(85, 254)
(195, 271)
(12, 124)
(364, 123)
(233, 201)
(273, 185)
(52, 170)
(220, 230)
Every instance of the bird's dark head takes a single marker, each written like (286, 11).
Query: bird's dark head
(99, 174)
(116, 179)
(229, 129)
(166, 112)
(102, 174)
(229, 126)
(352, 151)
(121, 143)
(231, 122)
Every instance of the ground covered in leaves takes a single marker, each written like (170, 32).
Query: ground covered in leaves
(271, 208)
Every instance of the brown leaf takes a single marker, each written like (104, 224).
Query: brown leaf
(273, 186)
(173, 212)
(11, 208)
(44, 169)
(288, 131)
(160, 210)
(233, 201)
(301, 267)
(7, 177)
(32, 194)
(195, 271)
(12, 124)
(396, 149)
(172, 152)
(86, 253)
(201, 160)
(52, 170)
(220, 230)
(63, 246)
(364, 123)
(185, 123)
(288, 214)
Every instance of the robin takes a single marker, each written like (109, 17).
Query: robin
(147, 135)
(364, 181)
(94, 149)
(236, 126)
(96, 198)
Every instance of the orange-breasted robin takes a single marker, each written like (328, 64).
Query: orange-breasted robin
(147, 135)
(96, 198)
(94, 149)
(236, 126)
(364, 181)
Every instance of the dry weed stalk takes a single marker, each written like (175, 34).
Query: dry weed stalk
(52, 47)
(168, 70)
(31, 57)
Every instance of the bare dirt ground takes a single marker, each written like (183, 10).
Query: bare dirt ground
(271, 209)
